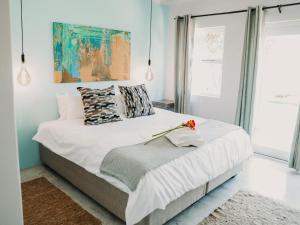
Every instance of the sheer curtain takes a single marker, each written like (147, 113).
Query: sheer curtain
(249, 68)
(183, 61)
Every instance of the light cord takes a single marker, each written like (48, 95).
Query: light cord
(22, 33)
(150, 42)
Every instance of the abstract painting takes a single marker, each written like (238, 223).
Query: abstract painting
(89, 54)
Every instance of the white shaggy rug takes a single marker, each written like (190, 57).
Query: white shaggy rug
(251, 209)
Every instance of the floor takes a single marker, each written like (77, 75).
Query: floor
(262, 175)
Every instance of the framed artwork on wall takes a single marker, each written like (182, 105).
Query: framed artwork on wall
(90, 54)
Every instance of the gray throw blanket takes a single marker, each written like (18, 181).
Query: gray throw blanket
(129, 164)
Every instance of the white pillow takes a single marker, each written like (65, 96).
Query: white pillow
(74, 107)
(71, 106)
(62, 106)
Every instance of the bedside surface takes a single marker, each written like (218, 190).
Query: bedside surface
(164, 104)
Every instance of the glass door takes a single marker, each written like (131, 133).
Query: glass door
(278, 90)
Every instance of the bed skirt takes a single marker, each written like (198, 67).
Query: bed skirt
(115, 200)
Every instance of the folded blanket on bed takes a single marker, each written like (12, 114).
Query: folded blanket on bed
(130, 163)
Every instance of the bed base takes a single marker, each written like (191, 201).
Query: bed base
(115, 200)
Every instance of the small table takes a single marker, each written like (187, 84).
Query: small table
(164, 104)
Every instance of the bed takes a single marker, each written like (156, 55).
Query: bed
(76, 151)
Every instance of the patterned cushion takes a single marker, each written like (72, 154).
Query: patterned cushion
(99, 105)
(137, 101)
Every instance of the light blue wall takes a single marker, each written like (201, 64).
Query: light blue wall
(36, 103)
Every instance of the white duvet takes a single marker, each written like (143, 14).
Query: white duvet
(87, 145)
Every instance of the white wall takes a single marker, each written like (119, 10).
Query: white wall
(10, 194)
(211, 107)
(223, 108)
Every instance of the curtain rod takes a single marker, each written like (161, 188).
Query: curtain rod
(279, 7)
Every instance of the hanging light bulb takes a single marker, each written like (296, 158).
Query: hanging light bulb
(23, 77)
(149, 73)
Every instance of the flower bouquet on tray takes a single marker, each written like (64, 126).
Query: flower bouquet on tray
(190, 123)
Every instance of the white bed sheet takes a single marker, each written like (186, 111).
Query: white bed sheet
(86, 146)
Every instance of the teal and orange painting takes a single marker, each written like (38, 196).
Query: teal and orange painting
(89, 54)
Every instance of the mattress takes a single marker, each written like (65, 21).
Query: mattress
(86, 146)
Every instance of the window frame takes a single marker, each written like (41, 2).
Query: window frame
(218, 95)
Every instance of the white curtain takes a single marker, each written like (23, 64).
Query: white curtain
(183, 60)
(295, 153)
(249, 68)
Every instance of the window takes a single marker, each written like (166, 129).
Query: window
(207, 64)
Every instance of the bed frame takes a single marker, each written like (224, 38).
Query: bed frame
(115, 200)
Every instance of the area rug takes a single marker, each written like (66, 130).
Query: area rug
(44, 204)
(251, 209)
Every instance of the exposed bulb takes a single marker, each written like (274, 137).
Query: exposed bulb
(23, 76)
(149, 74)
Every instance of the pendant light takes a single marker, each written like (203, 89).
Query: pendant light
(23, 77)
(149, 73)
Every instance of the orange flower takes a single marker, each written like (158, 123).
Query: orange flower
(191, 124)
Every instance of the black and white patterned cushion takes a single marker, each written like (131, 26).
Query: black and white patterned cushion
(99, 105)
(137, 101)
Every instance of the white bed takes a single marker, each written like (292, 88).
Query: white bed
(86, 146)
